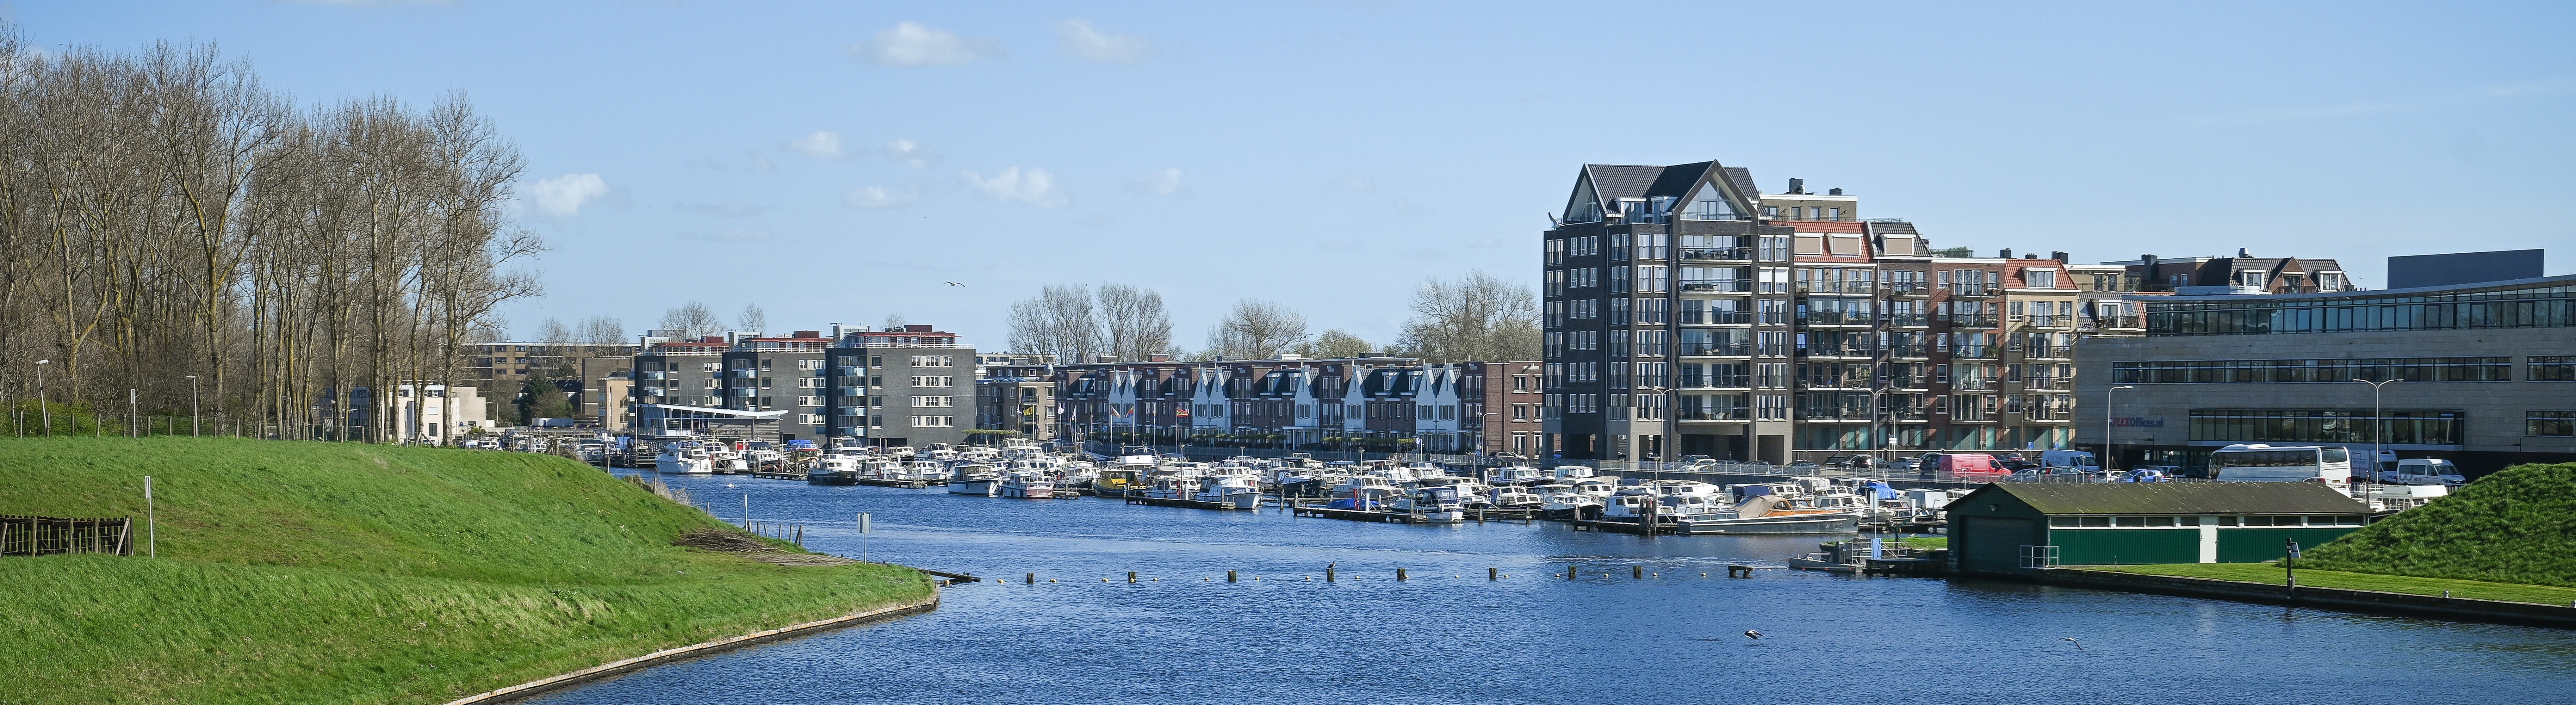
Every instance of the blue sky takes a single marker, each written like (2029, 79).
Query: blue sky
(838, 162)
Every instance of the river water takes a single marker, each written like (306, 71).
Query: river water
(1449, 635)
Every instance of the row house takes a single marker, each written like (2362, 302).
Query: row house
(904, 385)
(1345, 403)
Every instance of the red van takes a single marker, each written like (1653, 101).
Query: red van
(1968, 466)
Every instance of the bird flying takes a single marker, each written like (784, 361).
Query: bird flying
(1754, 635)
(952, 283)
(2079, 646)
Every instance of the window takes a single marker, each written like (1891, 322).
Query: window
(2551, 368)
(2549, 423)
(2420, 427)
(2040, 278)
(934, 381)
(2411, 369)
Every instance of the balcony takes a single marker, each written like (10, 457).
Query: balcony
(1734, 413)
(1978, 352)
(1817, 287)
(2111, 323)
(1905, 289)
(1971, 384)
(1837, 318)
(1716, 350)
(1731, 286)
(1975, 291)
(1716, 382)
(1968, 320)
(1910, 382)
(1909, 320)
(1717, 254)
(2051, 321)
(1723, 318)
(2054, 384)
(1713, 215)
(1855, 351)
(1855, 382)
(1909, 352)
(2053, 352)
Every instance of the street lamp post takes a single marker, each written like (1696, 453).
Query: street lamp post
(2378, 426)
(2106, 424)
(41, 405)
(192, 406)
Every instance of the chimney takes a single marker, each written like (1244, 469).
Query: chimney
(1158, 357)
(1836, 191)
(1797, 185)
(2059, 255)
(2240, 252)
(1106, 359)
(2007, 253)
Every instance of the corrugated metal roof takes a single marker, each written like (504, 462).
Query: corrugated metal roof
(2180, 497)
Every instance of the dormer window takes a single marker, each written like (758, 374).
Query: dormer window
(2039, 278)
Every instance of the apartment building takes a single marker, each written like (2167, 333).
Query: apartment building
(905, 385)
(431, 415)
(1025, 406)
(2241, 274)
(778, 374)
(1674, 311)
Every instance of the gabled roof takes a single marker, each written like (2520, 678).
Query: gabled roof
(2177, 497)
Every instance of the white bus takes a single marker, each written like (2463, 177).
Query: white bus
(2257, 462)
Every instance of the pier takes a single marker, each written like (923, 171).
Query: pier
(1183, 503)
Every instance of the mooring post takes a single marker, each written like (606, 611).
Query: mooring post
(1229, 576)
(1399, 575)
(1033, 578)
(1328, 573)
(1569, 572)
(1637, 571)
(1493, 573)
(1131, 577)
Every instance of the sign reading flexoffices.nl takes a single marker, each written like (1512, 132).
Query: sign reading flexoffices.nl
(2137, 422)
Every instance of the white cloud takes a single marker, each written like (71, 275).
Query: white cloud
(760, 162)
(1077, 38)
(1166, 182)
(910, 153)
(914, 44)
(878, 197)
(1033, 186)
(823, 144)
(563, 196)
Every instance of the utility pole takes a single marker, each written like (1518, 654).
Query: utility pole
(2378, 426)
(2106, 424)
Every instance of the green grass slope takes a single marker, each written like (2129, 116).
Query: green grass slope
(334, 572)
(2515, 526)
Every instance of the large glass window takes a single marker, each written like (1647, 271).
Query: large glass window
(2560, 422)
(2411, 369)
(2552, 368)
(2403, 427)
(2552, 306)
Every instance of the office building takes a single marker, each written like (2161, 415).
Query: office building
(905, 385)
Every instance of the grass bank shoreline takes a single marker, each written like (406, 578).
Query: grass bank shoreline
(333, 572)
(2185, 580)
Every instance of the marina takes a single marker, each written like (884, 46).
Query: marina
(1449, 633)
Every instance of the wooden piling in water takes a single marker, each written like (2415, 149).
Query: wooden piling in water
(1033, 578)
(1569, 572)
(1328, 574)
(1229, 576)
(1637, 571)
(1131, 577)
(1493, 573)
(1399, 575)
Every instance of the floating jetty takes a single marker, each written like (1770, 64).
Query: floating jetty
(1624, 527)
(1183, 503)
(906, 484)
(1474, 515)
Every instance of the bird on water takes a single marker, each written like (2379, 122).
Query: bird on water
(1754, 635)
(2079, 646)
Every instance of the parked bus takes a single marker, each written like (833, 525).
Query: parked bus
(2257, 462)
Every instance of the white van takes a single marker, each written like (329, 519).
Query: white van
(2068, 459)
(2256, 462)
(2423, 471)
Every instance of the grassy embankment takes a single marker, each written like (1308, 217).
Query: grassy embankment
(334, 572)
(2508, 536)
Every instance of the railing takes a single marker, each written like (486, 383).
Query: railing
(1972, 320)
(1817, 287)
(1972, 383)
(1908, 320)
(2111, 323)
(1978, 290)
(1836, 351)
(1722, 349)
(1738, 413)
(1733, 285)
(1909, 351)
(2053, 384)
(2048, 321)
(1832, 382)
(1716, 253)
(1905, 288)
(1690, 316)
(1716, 382)
(1981, 352)
(2053, 352)
(1910, 382)
(1708, 215)
(1837, 318)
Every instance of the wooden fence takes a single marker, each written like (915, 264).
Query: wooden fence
(36, 536)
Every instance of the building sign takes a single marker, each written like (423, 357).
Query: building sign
(2137, 422)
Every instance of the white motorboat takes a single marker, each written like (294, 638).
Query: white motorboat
(1516, 498)
(1572, 472)
(971, 479)
(1240, 491)
(1516, 475)
(727, 461)
(1431, 505)
(1026, 484)
(689, 458)
(1831, 513)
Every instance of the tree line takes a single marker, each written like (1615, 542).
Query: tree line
(1477, 316)
(163, 215)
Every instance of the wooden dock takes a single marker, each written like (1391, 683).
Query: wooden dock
(1624, 527)
(906, 484)
(777, 475)
(1183, 503)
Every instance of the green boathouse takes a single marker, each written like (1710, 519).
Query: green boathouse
(2009, 528)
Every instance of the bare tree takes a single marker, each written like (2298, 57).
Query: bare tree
(1060, 321)
(1256, 329)
(894, 320)
(1134, 323)
(691, 320)
(554, 332)
(1335, 343)
(1477, 317)
(752, 319)
(603, 330)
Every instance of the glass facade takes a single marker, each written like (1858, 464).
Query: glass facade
(2549, 305)
(2560, 422)
(2405, 427)
(2552, 368)
(2411, 369)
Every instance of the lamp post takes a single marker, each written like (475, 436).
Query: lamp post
(41, 405)
(2106, 424)
(192, 406)
(2378, 426)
